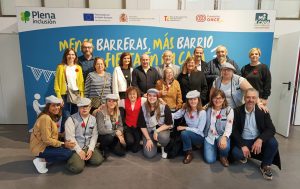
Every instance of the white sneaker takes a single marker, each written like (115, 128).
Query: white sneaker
(163, 153)
(40, 165)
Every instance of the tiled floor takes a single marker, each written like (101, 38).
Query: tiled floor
(133, 171)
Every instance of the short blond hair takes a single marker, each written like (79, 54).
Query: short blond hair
(254, 49)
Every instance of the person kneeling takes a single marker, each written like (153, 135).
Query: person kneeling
(82, 129)
(155, 120)
(195, 118)
(253, 135)
(44, 143)
(218, 128)
(110, 127)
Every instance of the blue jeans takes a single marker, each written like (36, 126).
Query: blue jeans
(210, 151)
(268, 152)
(68, 110)
(55, 154)
(189, 138)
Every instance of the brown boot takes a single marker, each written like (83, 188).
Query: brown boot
(188, 157)
(224, 161)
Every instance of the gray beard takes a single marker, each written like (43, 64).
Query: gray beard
(222, 60)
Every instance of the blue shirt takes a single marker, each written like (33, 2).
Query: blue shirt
(195, 121)
(86, 65)
(250, 131)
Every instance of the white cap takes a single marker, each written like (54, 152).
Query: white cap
(153, 91)
(84, 102)
(53, 99)
(228, 66)
(193, 94)
(112, 96)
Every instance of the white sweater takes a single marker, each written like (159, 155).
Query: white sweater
(119, 83)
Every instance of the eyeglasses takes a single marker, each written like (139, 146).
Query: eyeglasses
(87, 47)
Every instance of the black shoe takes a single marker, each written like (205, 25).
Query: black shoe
(104, 154)
(266, 172)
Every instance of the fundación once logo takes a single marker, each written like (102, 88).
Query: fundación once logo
(38, 17)
(261, 19)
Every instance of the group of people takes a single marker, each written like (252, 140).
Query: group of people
(116, 113)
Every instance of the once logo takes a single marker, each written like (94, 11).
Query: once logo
(25, 16)
(201, 18)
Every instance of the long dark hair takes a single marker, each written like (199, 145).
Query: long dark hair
(46, 111)
(64, 59)
(156, 108)
(121, 59)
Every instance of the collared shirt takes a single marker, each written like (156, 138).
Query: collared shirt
(86, 65)
(199, 66)
(250, 131)
(144, 80)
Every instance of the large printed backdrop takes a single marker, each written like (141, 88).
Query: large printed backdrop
(46, 33)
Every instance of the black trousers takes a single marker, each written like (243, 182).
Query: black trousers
(132, 138)
(111, 143)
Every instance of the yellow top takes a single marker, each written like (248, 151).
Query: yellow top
(60, 86)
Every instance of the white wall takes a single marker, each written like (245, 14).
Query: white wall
(12, 97)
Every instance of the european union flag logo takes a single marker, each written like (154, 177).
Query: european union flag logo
(88, 17)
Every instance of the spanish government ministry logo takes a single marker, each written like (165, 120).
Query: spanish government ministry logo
(25, 16)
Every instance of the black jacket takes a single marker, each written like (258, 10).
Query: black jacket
(196, 81)
(144, 81)
(264, 125)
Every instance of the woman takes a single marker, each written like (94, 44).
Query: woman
(195, 118)
(98, 84)
(232, 85)
(68, 76)
(44, 143)
(218, 128)
(258, 75)
(132, 105)
(169, 89)
(110, 127)
(191, 79)
(122, 75)
(155, 120)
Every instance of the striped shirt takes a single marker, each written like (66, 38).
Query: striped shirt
(94, 85)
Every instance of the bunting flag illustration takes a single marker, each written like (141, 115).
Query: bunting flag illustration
(37, 72)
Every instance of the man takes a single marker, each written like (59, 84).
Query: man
(144, 76)
(200, 64)
(81, 128)
(168, 59)
(86, 61)
(253, 135)
(214, 66)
